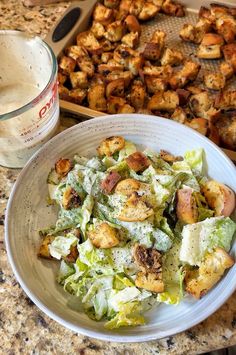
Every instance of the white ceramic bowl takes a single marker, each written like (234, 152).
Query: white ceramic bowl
(27, 213)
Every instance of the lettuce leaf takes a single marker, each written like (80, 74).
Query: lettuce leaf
(128, 315)
(195, 159)
(60, 246)
(86, 213)
(128, 149)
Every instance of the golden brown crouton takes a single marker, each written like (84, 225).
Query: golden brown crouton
(89, 42)
(148, 259)
(135, 209)
(77, 95)
(200, 104)
(67, 65)
(126, 75)
(111, 145)
(79, 80)
(126, 108)
(70, 199)
(219, 197)
(164, 101)
(137, 95)
(214, 81)
(219, 10)
(110, 67)
(210, 47)
(116, 88)
(86, 65)
(96, 98)
(134, 65)
(152, 51)
(61, 78)
(189, 72)
(164, 72)
(138, 161)
(168, 157)
(63, 166)
(199, 124)
(196, 33)
(136, 7)
(98, 30)
(131, 39)
(128, 186)
(150, 281)
(159, 37)
(107, 46)
(183, 96)
(148, 11)
(155, 84)
(186, 208)
(104, 236)
(106, 56)
(179, 115)
(76, 52)
(110, 181)
(71, 258)
(226, 27)
(172, 8)
(226, 69)
(114, 104)
(226, 126)
(63, 92)
(112, 4)
(229, 51)
(172, 57)
(115, 31)
(124, 8)
(226, 100)
(102, 14)
(209, 273)
(132, 24)
(44, 247)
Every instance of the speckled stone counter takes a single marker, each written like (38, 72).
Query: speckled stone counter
(24, 329)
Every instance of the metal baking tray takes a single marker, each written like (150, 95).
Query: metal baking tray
(171, 25)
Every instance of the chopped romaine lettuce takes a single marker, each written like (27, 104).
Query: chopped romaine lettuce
(129, 315)
(195, 159)
(60, 246)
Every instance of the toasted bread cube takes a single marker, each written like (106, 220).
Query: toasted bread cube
(70, 199)
(63, 166)
(136, 7)
(159, 37)
(150, 281)
(131, 39)
(135, 209)
(152, 51)
(226, 69)
(110, 67)
(219, 197)
(189, 33)
(123, 53)
(227, 130)
(104, 236)
(137, 95)
(164, 101)
(89, 42)
(111, 145)
(199, 124)
(186, 208)
(107, 46)
(226, 27)
(171, 8)
(214, 81)
(193, 89)
(86, 66)
(154, 84)
(127, 187)
(189, 72)
(213, 133)
(63, 92)
(219, 10)
(44, 247)
(134, 65)
(149, 10)
(116, 88)
(183, 96)
(226, 100)
(96, 97)
(168, 157)
(112, 4)
(71, 258)
(124, 8)
(137, 161)
(115, 31)
(76, 52)
(106, 56)
(148, 259)
(126, 75)
(61, 78)
(210, 47)
(102, 14)
(79, 80)
(114, 104)
(67, 65)
(209, 273)
(98, 30)
(200, 104)
(179, 115)
(172, 57)
(164, 72)
(77, 95)
(132, 24)
(126, 108)
(229, 51)
(110, 181)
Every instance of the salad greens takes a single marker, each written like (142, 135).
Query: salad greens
(132, 227)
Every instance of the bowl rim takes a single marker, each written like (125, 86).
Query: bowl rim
(122, 338)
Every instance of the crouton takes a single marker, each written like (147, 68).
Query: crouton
(106, 56)
(186, 207)
(44, 247)
(195, 34)
(229, 51)
(183, 96)
(96, 97)
(63, 166)
(114, 104)
(112, 4)
(189, 72)
(89, 41)
(172, 8)
(226, 69)
(123, 53)
(150, 281)
(116, 88)
(126, 108)
(214, 81)
(135, 65)
(111, 145)
(193, 89)
(115, 31)
(86, 66)
(219, 197)
(136, 7)
(110, 181)
(168, 157)
(148, 259)
(77, 95)
(210, 47)
(218, 10)
(70, 199)
(102, 14)
(71, 258)
(137, 161)
(110, 67)
(124, 9)
(226, 100)
(164, 101)
(200, 104)
(76, 52)
(226, 27)
(135, 209)
(132, 24)
(154, 84)
(67, 65)
(172, 57)
(226, 126)
(137, 95)
(104, 236)
(209, 273)
(127, 186)
(164, 72)
(152, 51)
(199, 124)
(61, 78)
(126, 75)
(107, 46)
(148, 11)
(159, 37)
(98, 30)
(213, 133)
(79, 80)
(131, 39)
(179, 115)
(63, 92)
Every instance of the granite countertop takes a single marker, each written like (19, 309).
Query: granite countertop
(23, 327)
